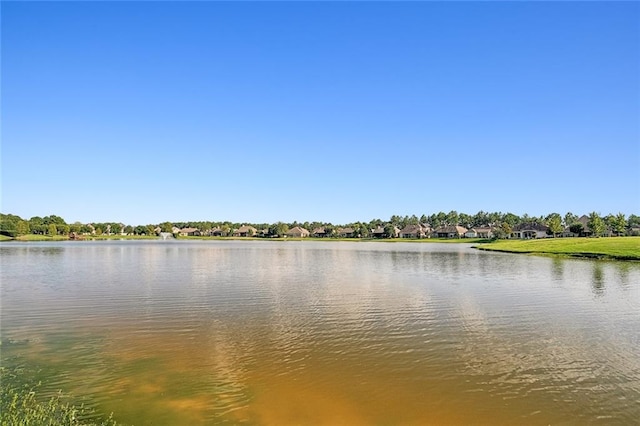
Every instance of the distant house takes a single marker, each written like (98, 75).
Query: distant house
(450, 231)
(245, 231)
(346, 232)
(379, 232)
(528, 231)
(319, 232)
(479, 232)
(216, 232)
(175, 230)
(297, 232)
(415, 231)
(189, 232)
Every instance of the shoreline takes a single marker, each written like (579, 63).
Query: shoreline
(606, 248)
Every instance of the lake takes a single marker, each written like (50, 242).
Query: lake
(276, 333)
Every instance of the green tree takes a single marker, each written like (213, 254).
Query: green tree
(389, 230)
(576, 228)
(52, 229)
(166, 227)
(453, 218)
(619, 224)
(278, 229)
(503, 231)
(22, 227)
(554, 222)
(511, 219)
(570, 219)
(595, 224)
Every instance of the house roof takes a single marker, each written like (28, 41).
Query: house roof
(319, 231)
(346, 231)
(451, 229)
(188, 230)
(246, 228)
(296, 230)
(378, 230)
(413, 229)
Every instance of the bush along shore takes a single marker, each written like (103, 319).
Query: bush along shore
(619, 248)
(22, 404)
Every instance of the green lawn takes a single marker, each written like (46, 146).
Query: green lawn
(624, 248)
(34, 237)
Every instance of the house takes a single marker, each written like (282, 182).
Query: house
(216, 232)
(346, 232)
(319, 232)
(245, 231)
(415, 231)
(530, 230)
(189, 232)
(297, 232)
(379, 232)
(450, 231)
(479, 232)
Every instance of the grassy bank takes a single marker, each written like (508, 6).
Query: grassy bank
(621, 248)
(22, 404)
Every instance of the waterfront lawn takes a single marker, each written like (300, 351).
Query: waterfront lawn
(625, 248)
(34, 237)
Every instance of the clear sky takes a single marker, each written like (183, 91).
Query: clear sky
(141, 112)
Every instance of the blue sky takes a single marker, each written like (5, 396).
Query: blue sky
(141, 112)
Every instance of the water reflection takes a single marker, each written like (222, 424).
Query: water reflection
(334, 333)
(597, 283)
(557, 268)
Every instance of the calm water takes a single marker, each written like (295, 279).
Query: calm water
(176, 333)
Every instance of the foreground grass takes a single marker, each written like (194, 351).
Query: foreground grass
(622, 248)
(22, 405)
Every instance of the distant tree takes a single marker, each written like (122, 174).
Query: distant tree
(278, 229)
(619, 224)
(511, 219)
(63, 229)
(329, 230)
(576, 228)
(362, 230)
(479, 219)
(596, 225)
(395, 220)
(424, 219)
(570, 219)
(166, 227)
(503, 231)
(554, 222)
(609, 220)
(633, 221)
(56, 220)
(465, 220)
(389, 230)
(22, 227)
(52, 229)
(453, 218)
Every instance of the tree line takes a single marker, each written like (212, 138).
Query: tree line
(619, 224)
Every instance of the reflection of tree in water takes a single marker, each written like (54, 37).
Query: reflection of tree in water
(622, 270)
(557, 268)
(597, 283)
